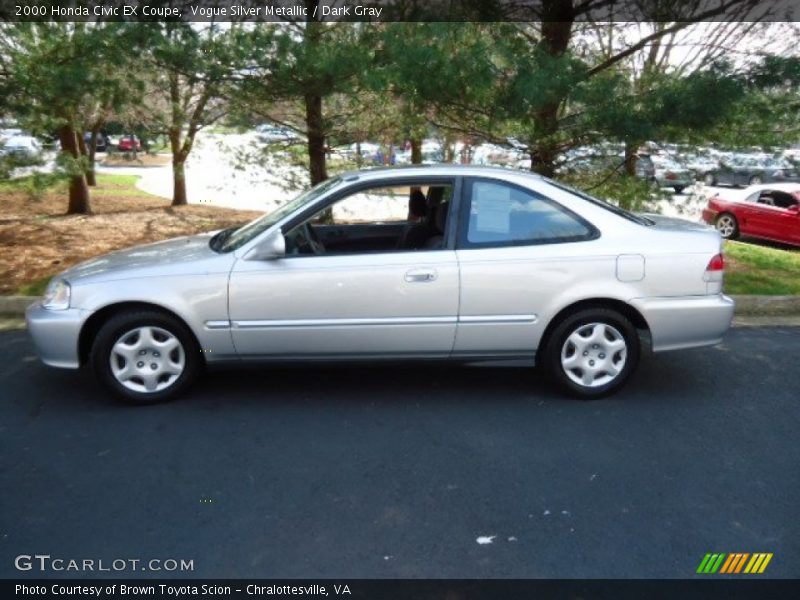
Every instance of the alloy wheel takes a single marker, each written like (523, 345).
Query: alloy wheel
(726, 226)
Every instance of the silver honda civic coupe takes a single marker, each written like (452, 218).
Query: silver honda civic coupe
(459, 263)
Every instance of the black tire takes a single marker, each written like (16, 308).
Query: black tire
(120, 325)
(709, 179)
(679, 188)
(756, 180)
(582, 321)
(727, 226)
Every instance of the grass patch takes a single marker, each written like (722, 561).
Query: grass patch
(46, 181)
(752, 269)
(35, 288)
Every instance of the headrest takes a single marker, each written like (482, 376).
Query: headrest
(441, 216)
(417, 204)
(435, 195)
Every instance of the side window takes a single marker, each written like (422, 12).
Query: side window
(753, 197)
(784, 200)
(390, 218)
(505, 215)
(375, 205)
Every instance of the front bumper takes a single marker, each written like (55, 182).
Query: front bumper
(55, 334)
(686, 322)
(709, 216)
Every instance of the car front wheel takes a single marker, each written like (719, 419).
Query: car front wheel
(145, 357)
(727, 226)
(592, 353)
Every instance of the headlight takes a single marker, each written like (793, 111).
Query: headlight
(57, 294)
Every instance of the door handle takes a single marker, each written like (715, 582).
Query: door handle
(420, 275)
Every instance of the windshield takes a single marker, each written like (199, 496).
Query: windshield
(244, 234)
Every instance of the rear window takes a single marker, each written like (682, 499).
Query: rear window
(504, 215)
(605, 204)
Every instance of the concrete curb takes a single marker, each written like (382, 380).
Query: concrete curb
(14, 306)
(755, 306)
(771, 306)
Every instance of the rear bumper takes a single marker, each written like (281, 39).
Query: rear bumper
(686, 322)
(55, 334)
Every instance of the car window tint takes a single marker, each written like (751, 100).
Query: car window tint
(503, 214)
(783, 200)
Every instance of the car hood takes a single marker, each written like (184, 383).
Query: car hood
(183, 255)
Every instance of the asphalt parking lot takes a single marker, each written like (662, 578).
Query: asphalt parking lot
(397, 471)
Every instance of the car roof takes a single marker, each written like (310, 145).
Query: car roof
(378, 173)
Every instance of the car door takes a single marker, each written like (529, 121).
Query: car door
(776, 219)
(375, 304)
(725, 174)
(516, 251)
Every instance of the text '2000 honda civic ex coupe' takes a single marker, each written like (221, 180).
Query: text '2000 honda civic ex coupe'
(459, 263)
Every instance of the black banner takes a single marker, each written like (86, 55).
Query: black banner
(389, 589)
(398, 10)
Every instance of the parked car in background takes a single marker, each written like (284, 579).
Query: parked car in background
(10, 132)
(269, 133)
(751, 170)
(21, 146)
(700, 164)
(481, 264)
(792, 154)
(768, 211)
(645, 167)
(670, 173)
(101, 144)
(129, 143)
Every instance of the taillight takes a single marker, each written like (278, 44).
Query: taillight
(716, 264)
(671, 176)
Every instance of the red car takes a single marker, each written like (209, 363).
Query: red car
(768, 211)
(129, 143)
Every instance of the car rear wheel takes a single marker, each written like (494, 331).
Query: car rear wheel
(709, 179)
(679, 188)
(728, 226)
(144, 357)
(592, 353)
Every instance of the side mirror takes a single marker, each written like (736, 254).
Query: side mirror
(272, 247)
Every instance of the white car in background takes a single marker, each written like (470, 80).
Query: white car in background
(22, 146)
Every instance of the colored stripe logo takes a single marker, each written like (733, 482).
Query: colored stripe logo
(735, 562)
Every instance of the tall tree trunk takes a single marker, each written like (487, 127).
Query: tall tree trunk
(545, 131)
(557, 19)
(179, 195)
(79, 203)
(630, 157)
(91, 175)
(416, 151)
(317, 167)
(89, 152)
